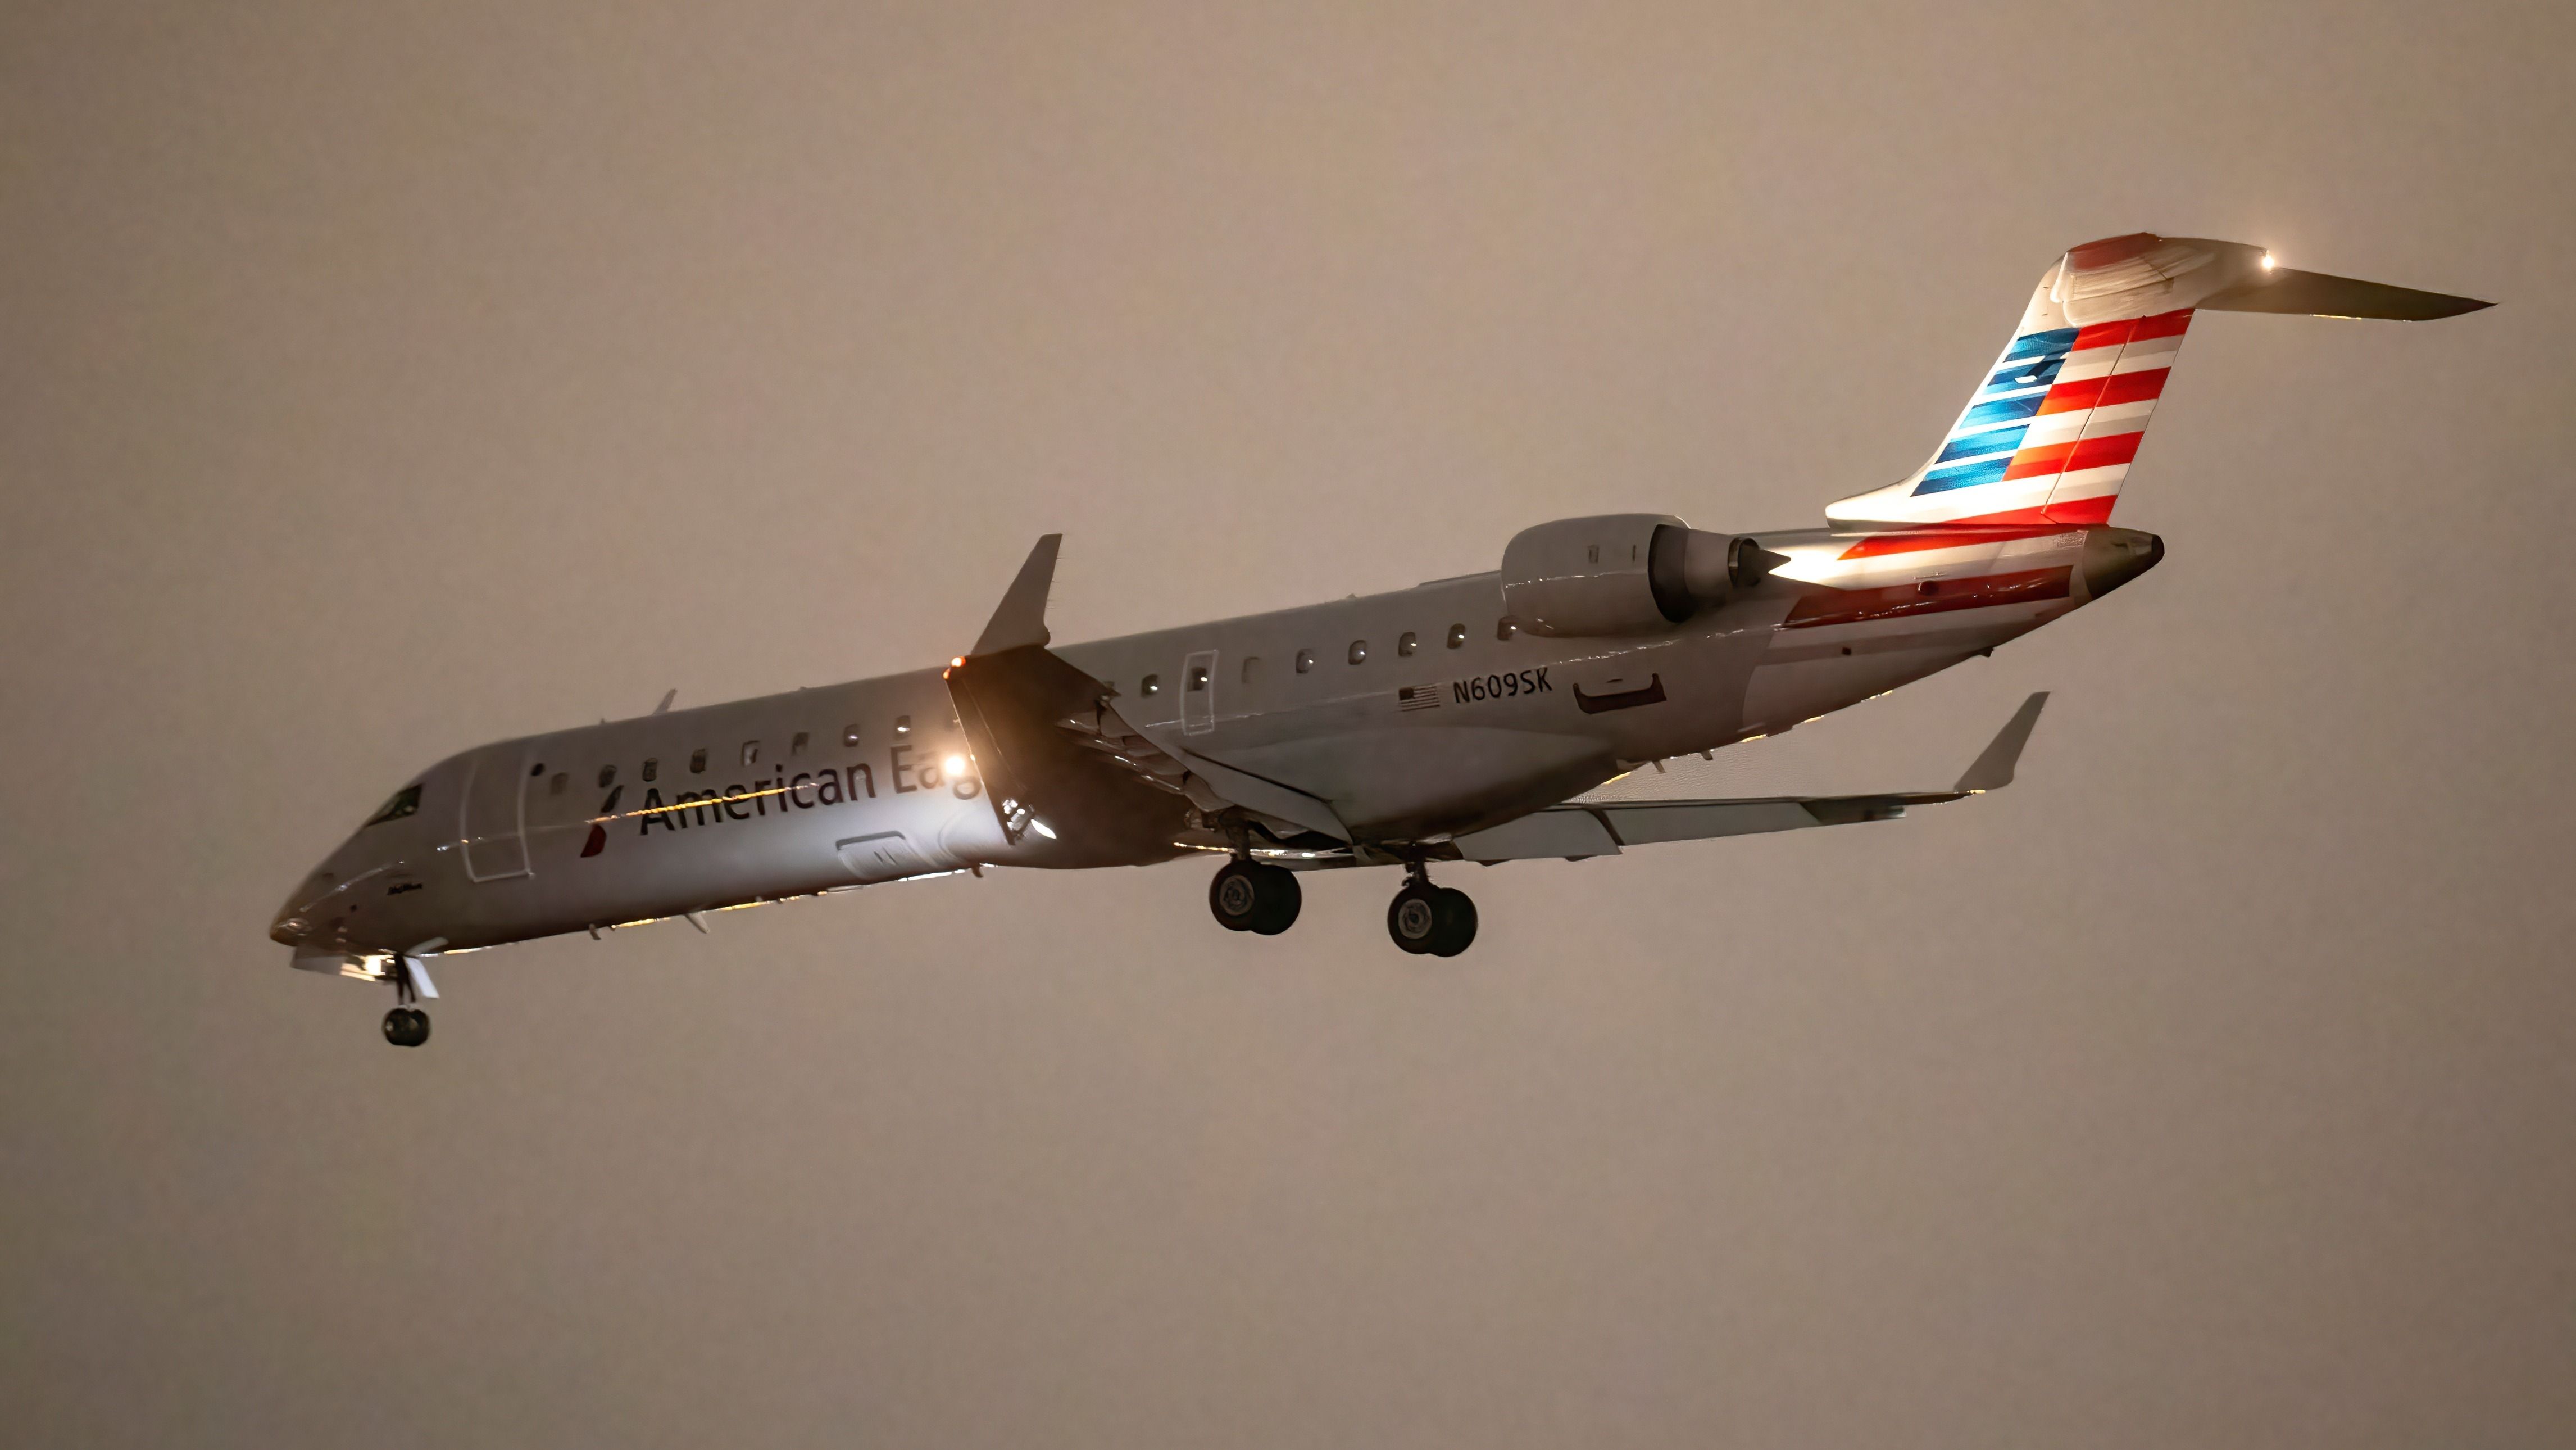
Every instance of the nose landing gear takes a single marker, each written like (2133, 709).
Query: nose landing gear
(407, 1025)
(1429, 920)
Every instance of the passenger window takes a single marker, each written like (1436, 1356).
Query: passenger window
(652, 768)
(1359, 651)
(903, 724)
(1198, 677)
(850, 737)
(1404, 645)
(1251, 668)
(751, 752)
(607, 776)
(1504, 629)
(536, 770)
(563, 778)
(797, 745)
(405, 801)
(698, 761)
(1153, 685)
(1457, 635)
(1305, 660)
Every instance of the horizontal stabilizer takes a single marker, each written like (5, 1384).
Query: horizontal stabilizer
(2319, 294)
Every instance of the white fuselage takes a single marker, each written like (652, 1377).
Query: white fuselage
(1416, 714)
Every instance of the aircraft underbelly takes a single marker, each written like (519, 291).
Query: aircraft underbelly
(1395, 779)
(1807, 673)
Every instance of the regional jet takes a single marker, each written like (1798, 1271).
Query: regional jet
(1464, 720)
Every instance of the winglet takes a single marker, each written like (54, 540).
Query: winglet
(1994, 769)
(1021, 619)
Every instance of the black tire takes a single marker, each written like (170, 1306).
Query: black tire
(1255, 897)
(1235, 897)
(1413, 917)
(1281, 897)
(406, 1027)
(1457, 922)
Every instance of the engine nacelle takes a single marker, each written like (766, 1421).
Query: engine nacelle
(1617, 574)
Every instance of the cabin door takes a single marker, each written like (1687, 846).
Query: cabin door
(1198, 693)
(495, 821)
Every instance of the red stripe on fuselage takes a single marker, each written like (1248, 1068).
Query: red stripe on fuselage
(1975, 591)
(1941, 536)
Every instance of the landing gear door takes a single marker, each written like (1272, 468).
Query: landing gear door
(1198, 693)
(495, 823)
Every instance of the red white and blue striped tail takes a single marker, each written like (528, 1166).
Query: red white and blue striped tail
(2049, 437)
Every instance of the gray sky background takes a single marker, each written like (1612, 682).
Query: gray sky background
(380, 379)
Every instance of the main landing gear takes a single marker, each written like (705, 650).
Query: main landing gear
(406, 1025)
(1430, 920)
(1251, 896)
(1424, 919)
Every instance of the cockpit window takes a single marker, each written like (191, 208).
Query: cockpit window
(405, 801)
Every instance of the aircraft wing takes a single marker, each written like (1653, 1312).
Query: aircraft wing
(1605, 828)
(1032, 724)
(1057, 760)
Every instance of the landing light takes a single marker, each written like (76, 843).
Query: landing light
(1041, 828)
(2267, 261)
(954, 765)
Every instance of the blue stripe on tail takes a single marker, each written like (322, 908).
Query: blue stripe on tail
(2032, 344)
(1964, 475)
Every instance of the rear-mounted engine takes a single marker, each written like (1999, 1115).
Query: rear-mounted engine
(1624, 574)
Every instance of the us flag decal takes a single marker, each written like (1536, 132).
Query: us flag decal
(1418, 697)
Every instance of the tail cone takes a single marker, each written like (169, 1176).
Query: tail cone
(2113, 557)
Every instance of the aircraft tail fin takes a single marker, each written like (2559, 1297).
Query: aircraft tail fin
(2049, 436)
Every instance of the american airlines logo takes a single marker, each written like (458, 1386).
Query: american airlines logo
(779, 795)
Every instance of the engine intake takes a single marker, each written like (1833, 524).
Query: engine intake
(1623, 574)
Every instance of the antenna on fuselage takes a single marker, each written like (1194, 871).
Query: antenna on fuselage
(668, 696)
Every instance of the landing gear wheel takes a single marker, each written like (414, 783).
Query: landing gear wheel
(1250, 896)
(1413, 918)
(1457, 928)
(406, 1027)
(1431, 920)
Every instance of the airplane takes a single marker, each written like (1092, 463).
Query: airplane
(1462, 720)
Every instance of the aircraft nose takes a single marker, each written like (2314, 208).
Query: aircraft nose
(296, 920)
(2113, 557)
